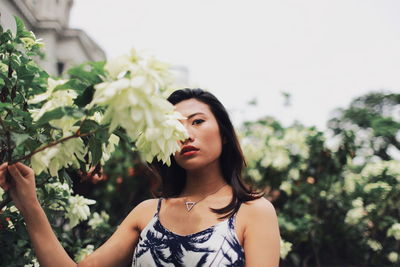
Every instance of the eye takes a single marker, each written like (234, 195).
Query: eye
(198, 121)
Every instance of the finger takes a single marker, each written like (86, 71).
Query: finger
(23, 169)
(16, 174)
(3, 183)
(3, 166)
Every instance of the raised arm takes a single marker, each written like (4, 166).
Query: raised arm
(117, 251)
(261, 235)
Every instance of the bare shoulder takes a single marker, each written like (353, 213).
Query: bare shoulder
(258, 212)
(143, 212)
(259, 207)
(261, 235)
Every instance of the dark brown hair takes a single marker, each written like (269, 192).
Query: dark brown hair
(232, 162)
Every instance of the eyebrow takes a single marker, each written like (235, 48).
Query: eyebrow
(194, 114)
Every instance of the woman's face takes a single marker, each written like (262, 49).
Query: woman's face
(204, 145)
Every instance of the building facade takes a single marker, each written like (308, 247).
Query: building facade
(49, 20)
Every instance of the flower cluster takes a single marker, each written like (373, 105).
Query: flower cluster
(60, 192)
(78, 209)
(355, 215)
(273, 150)
(98, 219)
(31, 41)
(54, 158)
(286, 247)
(83, 253)
(374, 245)
(393, 257)
(132, 100)
(394, 231)
(65, 154)
(55, 99)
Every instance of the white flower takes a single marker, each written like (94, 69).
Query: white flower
(54, 158)
(285, 248)
(350, 180)
(54, 99)
(357, 203)
(109, 148)
(133, 101)
(286, 187)
(252, 151)
(30, 41)
(116, 66)
(374, 169)
(370, 207)
(295, 140)
(394, 231)
(294, 174)
(255, 174)
(355, 215)
(382, 185)
(161, 142)
(83, 253)
(78, 209)
(374, 245)
(34, 263)
(393, 257)
(59, 187)
(98, 219)
(41, 160)
(61, 191)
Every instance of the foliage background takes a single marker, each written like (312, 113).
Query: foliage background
(336, 194)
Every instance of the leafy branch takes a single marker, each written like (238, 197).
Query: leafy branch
(76, 135)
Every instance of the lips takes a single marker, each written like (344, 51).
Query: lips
(186, 149)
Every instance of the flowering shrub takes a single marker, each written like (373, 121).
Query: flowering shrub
(325, 200)
(70, 126)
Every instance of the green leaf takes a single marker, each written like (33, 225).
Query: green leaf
(21, 31)
(19, 138)
(88, 125)
(73, 84)
(5, 37)
(102, 134)
(85, 98)
(5, 106)
(58, 113)
(95, 149)
(89, 72)
(24, 73)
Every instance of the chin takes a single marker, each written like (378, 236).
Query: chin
(193, 164)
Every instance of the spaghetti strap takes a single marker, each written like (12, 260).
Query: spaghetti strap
(159, 205)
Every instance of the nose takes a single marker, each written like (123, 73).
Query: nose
(189, 139)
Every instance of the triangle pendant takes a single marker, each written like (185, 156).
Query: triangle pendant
(189, 205)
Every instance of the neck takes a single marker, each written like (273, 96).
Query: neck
(203, 181)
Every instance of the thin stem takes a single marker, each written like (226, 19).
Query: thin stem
(7, 134)
(75, 135)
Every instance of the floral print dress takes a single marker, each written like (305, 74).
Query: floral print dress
(217, 245)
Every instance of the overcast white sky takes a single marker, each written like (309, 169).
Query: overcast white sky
(322, 52)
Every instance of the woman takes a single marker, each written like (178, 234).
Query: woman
(183, 227)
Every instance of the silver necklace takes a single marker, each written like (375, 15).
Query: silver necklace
(190, 204)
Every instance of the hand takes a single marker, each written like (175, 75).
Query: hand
(22, 186)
